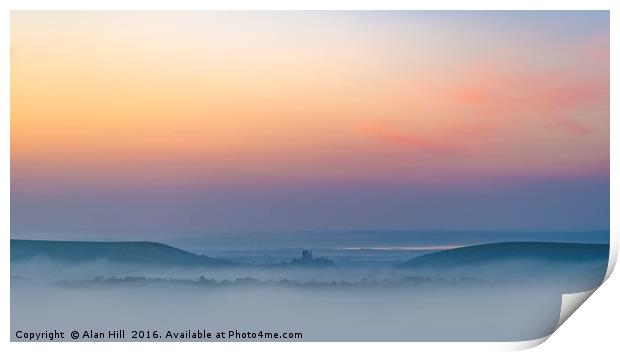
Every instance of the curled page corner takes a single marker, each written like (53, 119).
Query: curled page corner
(524, 345)
(570, 303)
(613, 256)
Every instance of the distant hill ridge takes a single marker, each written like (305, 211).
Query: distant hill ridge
(494, 252)
(76, 252)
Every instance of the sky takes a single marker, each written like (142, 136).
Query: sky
(238, 122)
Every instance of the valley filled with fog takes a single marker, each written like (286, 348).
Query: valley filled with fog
(512, 291)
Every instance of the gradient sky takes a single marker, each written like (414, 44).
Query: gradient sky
(144, 123)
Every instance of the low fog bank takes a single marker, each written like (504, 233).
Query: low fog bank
(44, 270)
(463, 313)
(567, 277)
(374, 303)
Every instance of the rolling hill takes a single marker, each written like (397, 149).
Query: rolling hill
(550, 252)
(137, 253)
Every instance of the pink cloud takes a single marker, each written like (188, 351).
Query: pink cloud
(523, 92)
(576, 127)
(388, 132)
(456, 138)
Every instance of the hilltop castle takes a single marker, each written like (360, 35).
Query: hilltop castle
(307, 259)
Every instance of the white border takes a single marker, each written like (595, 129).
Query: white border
(9, 5)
